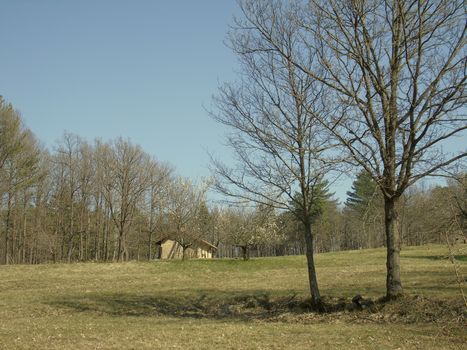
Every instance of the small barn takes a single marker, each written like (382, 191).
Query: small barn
(200, 249)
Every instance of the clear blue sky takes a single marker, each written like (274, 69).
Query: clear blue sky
(140, 69)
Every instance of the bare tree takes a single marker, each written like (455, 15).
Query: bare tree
(239, 228)
(67, 163)
(42, 238)
(275, 135)
(394, 72)
(125, 181)
(184, 203)
(102, 221)
(157, 195)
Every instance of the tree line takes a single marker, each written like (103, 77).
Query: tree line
(105, 201)
(111, 201)
(433, 214)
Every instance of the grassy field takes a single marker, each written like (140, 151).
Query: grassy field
(231, 304)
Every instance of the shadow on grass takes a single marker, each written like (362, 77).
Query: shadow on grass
(202, 305)
(211, 304)
(258, 305)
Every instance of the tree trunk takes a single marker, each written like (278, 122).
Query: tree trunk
(245, 252)
(70, 250)
(7, 231)
(71, 233)
(120, 245)
(105, 236)
(314, 290)
(150, 245)
(81, 244)
(23, 245)
(393, 281)
(150, 226)
(7, 248)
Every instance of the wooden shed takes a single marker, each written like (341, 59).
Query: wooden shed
(200, 249)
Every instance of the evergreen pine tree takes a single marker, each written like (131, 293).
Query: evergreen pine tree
(364, 193)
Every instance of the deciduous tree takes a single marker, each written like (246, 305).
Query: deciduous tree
(271, 111)
(394, 76)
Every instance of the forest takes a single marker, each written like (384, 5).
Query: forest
(112, 201)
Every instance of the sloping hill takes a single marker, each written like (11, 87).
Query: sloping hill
(232, 304)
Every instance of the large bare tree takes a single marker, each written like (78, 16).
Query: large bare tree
(394, 72)
(278, 142)
(125, 181)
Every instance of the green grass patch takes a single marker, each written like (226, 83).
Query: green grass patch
(232, 304)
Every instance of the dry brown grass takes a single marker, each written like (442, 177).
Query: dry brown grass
(231, 304)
